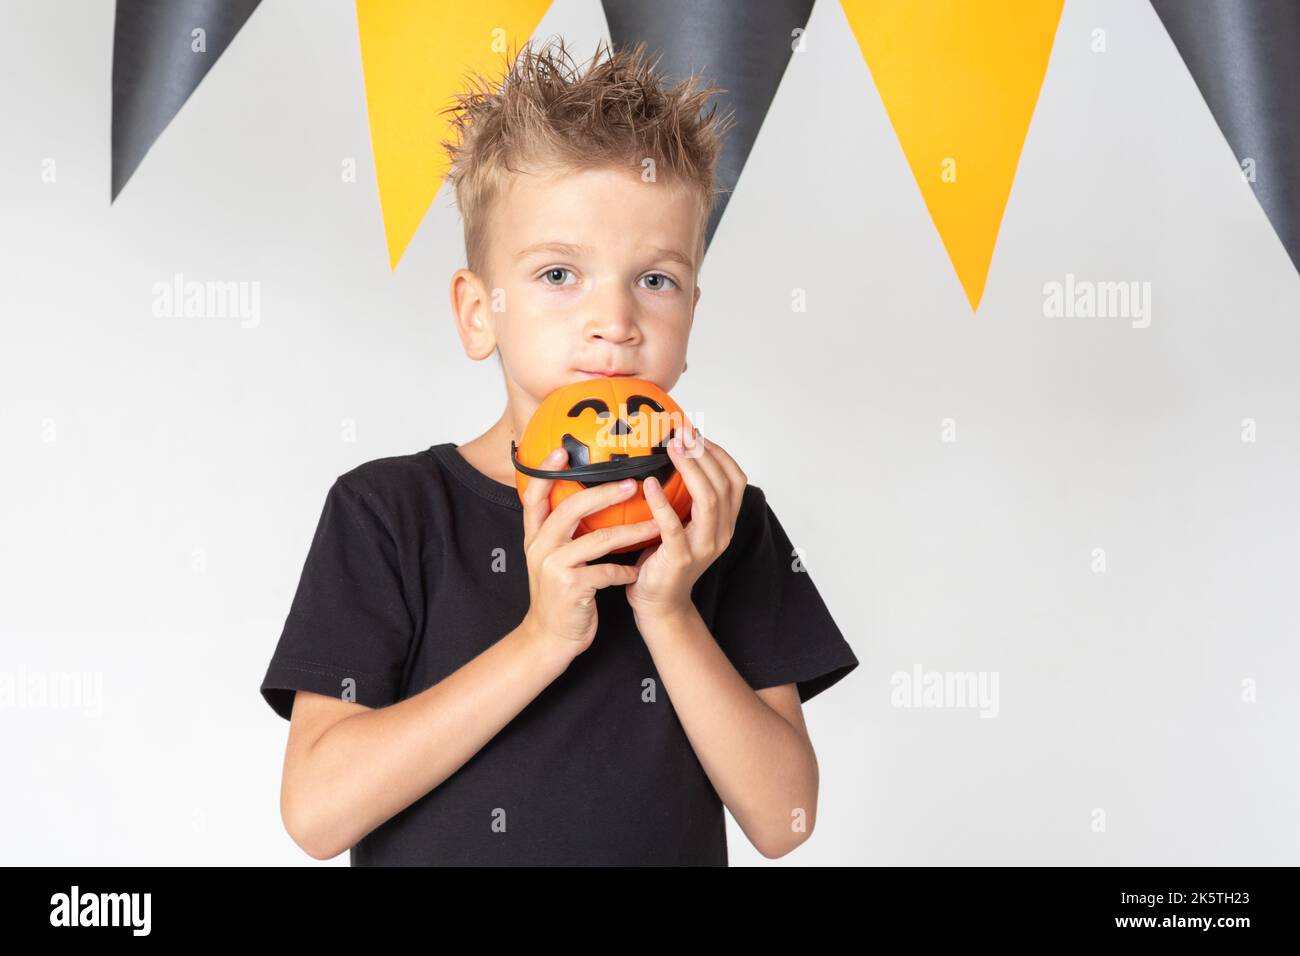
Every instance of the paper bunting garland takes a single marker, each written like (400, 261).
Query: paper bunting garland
(959, 81)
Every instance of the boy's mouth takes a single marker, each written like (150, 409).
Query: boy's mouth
(589, 374)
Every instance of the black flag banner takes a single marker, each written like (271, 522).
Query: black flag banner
(1245, 58)
(743, 48)
(161, 50)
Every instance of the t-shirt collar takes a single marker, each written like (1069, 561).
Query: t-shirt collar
(474, 479)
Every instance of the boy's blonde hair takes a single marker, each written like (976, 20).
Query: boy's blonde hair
(547, 113)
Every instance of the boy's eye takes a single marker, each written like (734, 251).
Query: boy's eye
(556, 276)
(659, 286)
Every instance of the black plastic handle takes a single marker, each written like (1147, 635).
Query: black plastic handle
(636, 467)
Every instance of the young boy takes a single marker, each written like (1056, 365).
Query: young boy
(468, 683)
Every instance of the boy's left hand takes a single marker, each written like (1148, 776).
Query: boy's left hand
(668, 570)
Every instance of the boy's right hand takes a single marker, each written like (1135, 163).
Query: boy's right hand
(562, 586)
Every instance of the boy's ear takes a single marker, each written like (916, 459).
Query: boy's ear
(471, 304)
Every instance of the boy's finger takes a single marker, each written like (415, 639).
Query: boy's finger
(704, 497)
(596, 576)
(671, 532)
(709, 465)
(559, 527)
(588, 547)
(537, 496)
(738, 476)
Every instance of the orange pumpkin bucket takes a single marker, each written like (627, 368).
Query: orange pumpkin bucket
(612, 428)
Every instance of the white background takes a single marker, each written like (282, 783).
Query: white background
(1119, 691)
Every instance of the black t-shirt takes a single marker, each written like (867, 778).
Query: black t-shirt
(417, 566)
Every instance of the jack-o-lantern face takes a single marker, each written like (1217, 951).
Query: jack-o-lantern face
(611, 428)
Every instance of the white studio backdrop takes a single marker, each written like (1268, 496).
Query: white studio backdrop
(951, 477)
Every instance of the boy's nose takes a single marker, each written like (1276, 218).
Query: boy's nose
(613, 318)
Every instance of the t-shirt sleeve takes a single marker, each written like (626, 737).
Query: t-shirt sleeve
(349, 627)
(771, 621)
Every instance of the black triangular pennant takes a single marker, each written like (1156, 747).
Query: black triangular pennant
(743, 48)
(156, 67)
(1245, 58)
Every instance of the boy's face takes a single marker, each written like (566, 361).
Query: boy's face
(588, 271)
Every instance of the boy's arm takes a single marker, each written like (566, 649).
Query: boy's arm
(753, 745)
(348, 768)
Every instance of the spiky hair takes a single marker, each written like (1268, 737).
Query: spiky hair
(546, 112)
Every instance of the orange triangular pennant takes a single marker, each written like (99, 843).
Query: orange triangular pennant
(959, 80)
(416, 55)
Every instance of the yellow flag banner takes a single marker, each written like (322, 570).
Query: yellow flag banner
(415, 55)
(959, 80)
